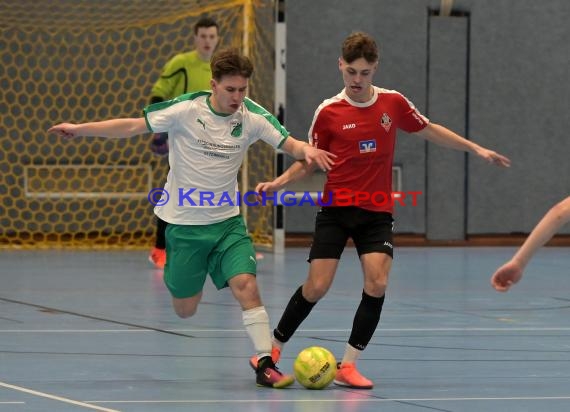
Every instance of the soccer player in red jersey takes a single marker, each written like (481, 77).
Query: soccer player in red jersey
(359, 126)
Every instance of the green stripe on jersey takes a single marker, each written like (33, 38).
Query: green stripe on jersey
(257, 109)
(183, 97)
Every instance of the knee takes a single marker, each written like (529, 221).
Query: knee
(314, 290)
(244, 289)
(376, 287)
(185, 309)
(245, 285)
(185, 312)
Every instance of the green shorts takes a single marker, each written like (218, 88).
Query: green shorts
(222, 250)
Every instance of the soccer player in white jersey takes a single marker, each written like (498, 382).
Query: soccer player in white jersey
(186, 72)
(359, 126)
(209, 134)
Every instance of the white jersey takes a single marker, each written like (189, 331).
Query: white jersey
(206, 150)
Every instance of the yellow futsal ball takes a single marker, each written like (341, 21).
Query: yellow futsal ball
(315, 367)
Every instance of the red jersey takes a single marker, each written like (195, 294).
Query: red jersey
(363, 136)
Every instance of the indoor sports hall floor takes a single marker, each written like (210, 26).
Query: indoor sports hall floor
(86, 331)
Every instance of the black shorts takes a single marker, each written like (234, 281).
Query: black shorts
(370, 231)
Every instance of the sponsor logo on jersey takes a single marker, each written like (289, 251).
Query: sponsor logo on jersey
(386, 122)
(367, 146)
(349, 126)
(201, 122)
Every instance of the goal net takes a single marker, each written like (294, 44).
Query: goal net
(84, 60)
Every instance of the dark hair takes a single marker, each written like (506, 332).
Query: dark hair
(230, 62)
(206, 22)
(358, 45)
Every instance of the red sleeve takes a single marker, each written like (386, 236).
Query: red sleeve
(319, 135)
(411, 120)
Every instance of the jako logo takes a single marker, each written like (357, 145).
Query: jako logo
(367, 146)
(349, 126)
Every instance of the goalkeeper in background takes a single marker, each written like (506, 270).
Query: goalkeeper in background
(184, 73)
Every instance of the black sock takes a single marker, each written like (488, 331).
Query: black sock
(295, 313)
(365, 321)
(160, 242)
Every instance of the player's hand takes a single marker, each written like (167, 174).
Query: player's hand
(159, 144)
(67, 130)
(266, 187)
(506, 276)
(323, 159)
(494, 158)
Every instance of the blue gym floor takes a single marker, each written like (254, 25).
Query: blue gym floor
(95, 331)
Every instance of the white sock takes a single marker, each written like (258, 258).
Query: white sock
(256, 322)
(351, 354)
(277, 343)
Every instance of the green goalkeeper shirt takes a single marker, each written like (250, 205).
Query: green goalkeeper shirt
(184, 73)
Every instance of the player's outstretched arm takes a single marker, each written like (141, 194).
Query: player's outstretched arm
(304, 151)
(442, 136)
(115, 128)
(295, 172)
(512, 271)
(313, 158)
(507, 275)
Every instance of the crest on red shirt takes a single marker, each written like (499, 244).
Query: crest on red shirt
(386, 122)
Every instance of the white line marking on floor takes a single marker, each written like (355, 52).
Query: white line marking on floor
(55, 398)
(351, 400)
